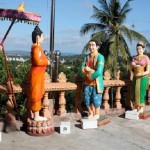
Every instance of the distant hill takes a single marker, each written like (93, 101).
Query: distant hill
(69, 54)
(17, 52)
(27, 53)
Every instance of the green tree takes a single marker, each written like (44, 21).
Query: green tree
(19, 70)
(2, 69)
(3, 74)
(70, 69)
(111, 33)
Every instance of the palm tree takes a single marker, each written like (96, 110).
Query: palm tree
(111, 33)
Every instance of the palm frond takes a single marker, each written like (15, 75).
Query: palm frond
(111, 62)
(127, 48)
(104, 6)
(100, 15)
(115, 7)
(111, 33)
(147, 47)
(122, 50)
(91, 27)
(124, 30)
(125, 8)
(123, 16)
(132, 35)
(139, 37)
(96, 11)
(124, 11)
(99, 36)
(114, 46)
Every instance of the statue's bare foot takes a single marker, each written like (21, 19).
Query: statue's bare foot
(40, 118)
(141, 110)
(96, 116)
(90, 116)
(135, 110)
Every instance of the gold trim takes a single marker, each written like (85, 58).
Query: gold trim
(137, 91)
(142, 105)
(21, 7)
(139, 58)
(95, 61)
(98, 85)
(101, 63)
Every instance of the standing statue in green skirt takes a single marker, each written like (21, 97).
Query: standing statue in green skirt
(140, 69)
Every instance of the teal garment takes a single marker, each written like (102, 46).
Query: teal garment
(98, 67)
(91, 96)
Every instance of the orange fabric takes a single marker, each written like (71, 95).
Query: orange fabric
(90, 63)
(37, 71)
(35, 106)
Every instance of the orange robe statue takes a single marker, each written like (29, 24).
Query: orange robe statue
(37, 71)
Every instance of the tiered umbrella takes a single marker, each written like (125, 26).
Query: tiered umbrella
(18, 15)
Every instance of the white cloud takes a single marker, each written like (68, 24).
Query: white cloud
(68, 40)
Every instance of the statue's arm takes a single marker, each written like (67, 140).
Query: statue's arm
(39, 60)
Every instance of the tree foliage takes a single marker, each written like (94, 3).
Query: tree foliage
(70, 69)
(2, 69)
(111, 33)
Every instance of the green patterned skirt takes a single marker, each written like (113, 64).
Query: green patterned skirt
(139, 88)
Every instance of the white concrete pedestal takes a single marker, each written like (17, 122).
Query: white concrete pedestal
(132, 115)
(88, 123)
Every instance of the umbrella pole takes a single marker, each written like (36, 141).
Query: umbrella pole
(9, 78)
(2, 43)
(3, 40)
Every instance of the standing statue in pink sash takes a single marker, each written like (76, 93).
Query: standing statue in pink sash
(140, 69)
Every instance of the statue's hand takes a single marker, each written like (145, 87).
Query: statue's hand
(49, 62)
(133, 63)
(87, 68)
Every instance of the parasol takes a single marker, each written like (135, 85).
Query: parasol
(18, 15)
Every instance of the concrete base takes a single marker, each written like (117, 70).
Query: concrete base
(88, 123)
(101, 121)
(132, 115)
(40, 128)
(65, 127)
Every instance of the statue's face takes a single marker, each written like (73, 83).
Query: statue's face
(140, 50)
(92, 46)
(41, 38)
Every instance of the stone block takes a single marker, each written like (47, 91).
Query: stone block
(88, 123)
(65, 127)
(132, 115)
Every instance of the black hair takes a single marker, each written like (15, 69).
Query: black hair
(96, 42)
(140, 44)
(37, 31)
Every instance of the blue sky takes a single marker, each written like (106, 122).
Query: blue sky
(69, 17)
